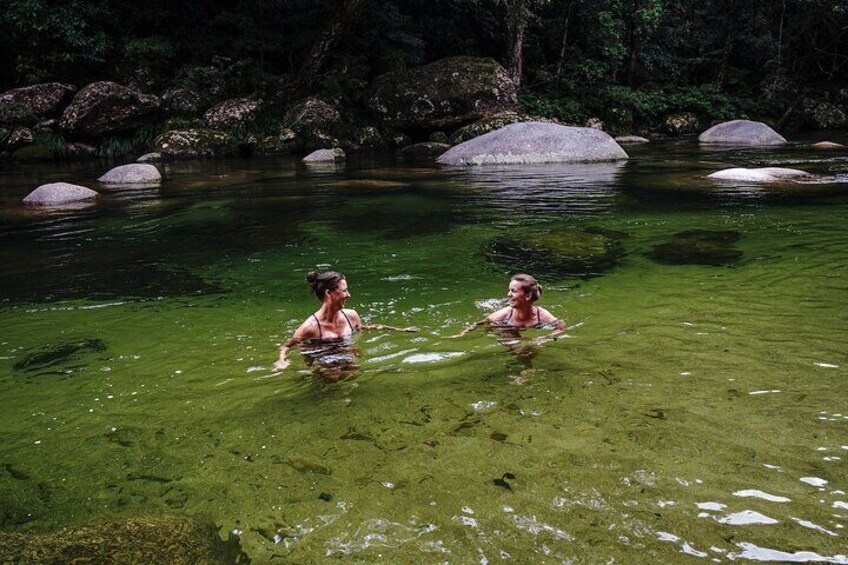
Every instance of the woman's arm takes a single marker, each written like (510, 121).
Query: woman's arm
(471, 328)
(304, 332)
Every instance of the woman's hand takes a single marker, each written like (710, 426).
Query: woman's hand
(281, 364)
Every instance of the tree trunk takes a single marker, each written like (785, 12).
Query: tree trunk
(516, 22)
(565, 23)
(344, 16)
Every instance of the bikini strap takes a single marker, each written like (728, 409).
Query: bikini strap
(538, 317)
(320, 333)
(348, 321)
(508, 318)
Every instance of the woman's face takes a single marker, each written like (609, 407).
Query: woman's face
(516, 295)
(339, 295)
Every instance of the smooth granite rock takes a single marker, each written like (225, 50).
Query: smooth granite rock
(58, 193)
(766, 174)
(135, 173)
(742, 132)
(325, 156)
(535, 142)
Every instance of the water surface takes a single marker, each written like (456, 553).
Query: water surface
(697, 412)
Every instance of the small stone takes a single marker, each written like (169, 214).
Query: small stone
(150, 158)
(133, 174)
(325, 156)
(58, 193)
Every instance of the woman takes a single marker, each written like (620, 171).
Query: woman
(331, 326)
(521, 313)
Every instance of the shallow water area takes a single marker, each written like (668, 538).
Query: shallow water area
(696, 412)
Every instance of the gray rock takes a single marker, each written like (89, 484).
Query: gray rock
(401, 140)
(194, 143)
(535, 142)
(680, 123)
(742, 132)
(631, 139)
(78, 150)
(235, 113)
(19, 137)
(58, 193)
(135, 173)
(766, 174)
(104, 108)
(150, 158)
(30, 104)
(325, 156)
(443, 94)
(595, 123)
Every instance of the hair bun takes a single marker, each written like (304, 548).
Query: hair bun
(539, 291)
(311, 277)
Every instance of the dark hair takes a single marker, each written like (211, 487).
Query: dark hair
(530, 286)
(322, 282)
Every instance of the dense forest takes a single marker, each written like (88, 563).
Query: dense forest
(572, 59)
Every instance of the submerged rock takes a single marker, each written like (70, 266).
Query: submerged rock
(166, 539)
(765, 174)
(827, 145)
(325, 156)
(571, 253)
(742, 132)
(535, 142)
(150, 158)
(631, 139)
(59, 193)
(134, 173)
(445, 93)
(59, 354)
(699, 247)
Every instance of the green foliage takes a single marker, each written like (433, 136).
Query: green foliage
(50, 142)
(131, 145)
(566, 110)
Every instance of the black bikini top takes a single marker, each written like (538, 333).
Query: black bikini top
(321, 333)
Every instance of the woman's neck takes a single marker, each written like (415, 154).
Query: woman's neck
(329, 311)
(525, 312)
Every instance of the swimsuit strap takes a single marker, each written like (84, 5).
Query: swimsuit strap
(538, 317)
(348, 321)
(320, 333)
(508, 318)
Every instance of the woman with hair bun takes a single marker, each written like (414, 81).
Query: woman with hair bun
(521, 313)
(331, 325)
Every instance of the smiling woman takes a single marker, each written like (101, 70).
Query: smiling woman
(331, 325)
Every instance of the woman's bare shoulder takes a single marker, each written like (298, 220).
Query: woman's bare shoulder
(499, 315)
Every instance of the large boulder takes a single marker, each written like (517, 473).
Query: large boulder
(234, 113)
(58, 193)
(104, 108)
(535, 142)
(742, 132)
(765, 174)
(181, 101)
(424, 150)
(443, 94)
(30, 104)
(132, 174)
(194, 143)
(127, 541)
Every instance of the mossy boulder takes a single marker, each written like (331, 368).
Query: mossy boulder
(30, 104)
(424, 150)
(681, 123)
(699, 247)
(194, 143)
(559, 254)
(234, 113)
(443, 94)
(104, 108)
(168, 539)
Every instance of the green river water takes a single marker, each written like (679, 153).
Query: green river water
(698, 412)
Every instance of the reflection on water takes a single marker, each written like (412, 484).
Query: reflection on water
(697, 414)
